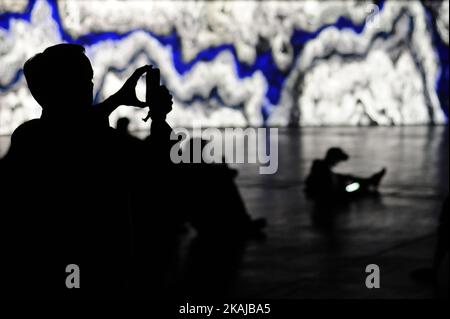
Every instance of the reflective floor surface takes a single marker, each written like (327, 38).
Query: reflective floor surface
(302, 259)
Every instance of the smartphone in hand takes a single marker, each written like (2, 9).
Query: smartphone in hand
(152, 84)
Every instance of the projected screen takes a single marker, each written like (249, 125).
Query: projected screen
(240, 63)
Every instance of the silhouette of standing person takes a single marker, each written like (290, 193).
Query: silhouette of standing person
(64, 203)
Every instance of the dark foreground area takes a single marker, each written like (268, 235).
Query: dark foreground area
(310, 256)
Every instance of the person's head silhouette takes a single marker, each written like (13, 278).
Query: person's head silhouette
(335, 155)
(60, 79)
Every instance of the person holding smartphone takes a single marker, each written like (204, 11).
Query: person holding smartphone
(67, 181)
(323, 183)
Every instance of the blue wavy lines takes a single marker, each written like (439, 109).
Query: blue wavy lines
(264, 62)
(442, 83)
(5, 18)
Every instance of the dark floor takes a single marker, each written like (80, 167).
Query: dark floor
(301, 260)
(393, 231)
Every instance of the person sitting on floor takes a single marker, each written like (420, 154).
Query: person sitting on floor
(322, 182)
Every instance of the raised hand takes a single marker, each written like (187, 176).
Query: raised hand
(160, 103)
(127, 94)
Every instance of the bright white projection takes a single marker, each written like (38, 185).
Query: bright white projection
(242, 63)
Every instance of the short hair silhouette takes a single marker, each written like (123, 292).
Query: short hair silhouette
(60, 78)
(336, 154)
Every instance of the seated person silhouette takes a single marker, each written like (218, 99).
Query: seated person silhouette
(216, 208)
(67, 178)
(323, 183)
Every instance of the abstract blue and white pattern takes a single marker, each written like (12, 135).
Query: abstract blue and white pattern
(239, 63)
